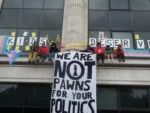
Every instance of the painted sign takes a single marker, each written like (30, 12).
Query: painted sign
(74, 83)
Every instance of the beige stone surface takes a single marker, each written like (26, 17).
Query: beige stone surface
(75, 25)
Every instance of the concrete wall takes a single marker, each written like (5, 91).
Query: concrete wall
(105, 75)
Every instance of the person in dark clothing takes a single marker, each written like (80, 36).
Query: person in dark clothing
(109, 53)
(52, 50)
(120, 53)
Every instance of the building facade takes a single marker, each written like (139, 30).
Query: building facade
(121, 88)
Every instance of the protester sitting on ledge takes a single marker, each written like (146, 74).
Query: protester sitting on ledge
(109, 53)
(119, 53)
(100, 52)
(33, 54)
(43, 52)
(52, 50)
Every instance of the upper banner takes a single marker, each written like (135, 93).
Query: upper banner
(74, 83)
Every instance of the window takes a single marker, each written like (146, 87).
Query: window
(38, 96)
(106, 99)
(95, 34)
(9, 18)
(120, 20)
(98, 4)
(140, 20)
(51, 34)
(25, 98)
(54, 4)
(145, 36)
(11, 95)
(119, 4)
(26, 33)
(7, 32)
(98, 20)
(33, 4)
(27, 95)
(52, 19)
(13, 4)
(133, 98)
(31, 18)
(124, 35)
(140, 4)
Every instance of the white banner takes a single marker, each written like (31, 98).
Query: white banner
(74, 83)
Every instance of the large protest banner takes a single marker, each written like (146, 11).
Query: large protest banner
(74, 83)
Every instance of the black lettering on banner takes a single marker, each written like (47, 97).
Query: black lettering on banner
(63, 86)
(70, 85)
(67, 56)
(60, 69)
(76, 56)
(56, 81)
(72, 91)
(83, 57)
(90, 65)
(58, 106)
(74, 103)
(90, 105)
(59, 56)
(89, 57)
(82, 104)
(87, 84)
(72, 76)
(63, 108)
(52, 104)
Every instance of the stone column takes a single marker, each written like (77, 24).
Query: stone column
(75, 25)
(1, 2)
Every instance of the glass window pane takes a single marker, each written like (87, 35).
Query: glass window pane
(121, 22)
(142, 36)
(26, 34)
(95, 34)
(54, 4)
(140, 4)
(133, 98)
(99, 4)
(33, 4)
(123, 35)
(52, 19)
(9, 18)
(98, 20)
(51, 34)
(106, 99)
(12, 95)
(31, 18)
(13, 4)
(140, 20)
(38, 96)
(119, 4)
(7, 32)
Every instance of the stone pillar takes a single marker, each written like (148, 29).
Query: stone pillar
(1, 2)
(75, 25)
